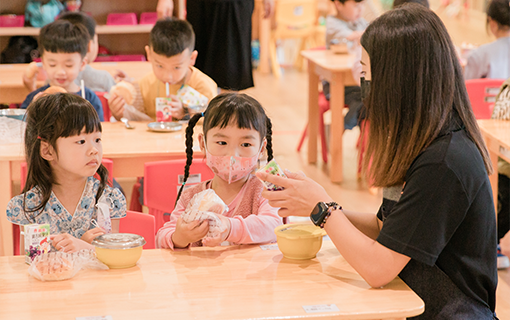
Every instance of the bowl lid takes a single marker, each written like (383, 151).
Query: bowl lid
(299, 231)
(118, 241)
(12, 112)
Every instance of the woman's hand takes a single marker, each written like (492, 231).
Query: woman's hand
(299, 197)
(165, 8)
(216, 241)
(92, 234)
(186, 233)
(67, 243)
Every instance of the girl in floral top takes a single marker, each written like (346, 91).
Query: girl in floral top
(63, 151)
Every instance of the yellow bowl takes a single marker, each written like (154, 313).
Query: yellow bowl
(119, 250)
(299, 241)
(119, 258)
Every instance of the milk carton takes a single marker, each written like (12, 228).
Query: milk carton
(37, 238)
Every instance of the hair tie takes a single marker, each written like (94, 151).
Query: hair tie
(184, 183)
(39, 137)
(203, 114)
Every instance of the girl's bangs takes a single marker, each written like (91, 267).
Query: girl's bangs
(78, 118)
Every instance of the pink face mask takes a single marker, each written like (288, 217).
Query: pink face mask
(231, 168)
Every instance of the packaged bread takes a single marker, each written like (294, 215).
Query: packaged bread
(206, 205)
(53, 267)
(57, 265)
(55, 89)
(125, 90)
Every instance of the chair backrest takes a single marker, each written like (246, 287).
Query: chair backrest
(141, 224)
(295, 18)
(162, 180)
(482, 94)
(106, 109)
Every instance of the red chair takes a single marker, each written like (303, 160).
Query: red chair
(323, 107)
(482, 94)
(106, 109)
(23, 173)
(141, 224)
(162, 182)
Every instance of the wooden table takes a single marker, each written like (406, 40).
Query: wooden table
(496, 134)
(129, 150)
(237, 282)
(12, 89)
(337, 69)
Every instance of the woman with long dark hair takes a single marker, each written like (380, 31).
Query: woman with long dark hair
(436, 227)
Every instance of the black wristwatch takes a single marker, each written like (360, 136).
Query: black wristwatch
(322, 211)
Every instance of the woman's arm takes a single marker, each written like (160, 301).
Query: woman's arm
(377, 264)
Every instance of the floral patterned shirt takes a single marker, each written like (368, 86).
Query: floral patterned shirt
(60, 220)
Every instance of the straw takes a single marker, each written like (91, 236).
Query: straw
(82, 89)
(167, 89)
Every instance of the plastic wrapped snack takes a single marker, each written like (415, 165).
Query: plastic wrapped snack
(57, 266)
(204, 206)
(191, 97)
(272, 168)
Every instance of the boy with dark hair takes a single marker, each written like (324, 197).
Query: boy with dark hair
(347, 26)
(172, 55)
(63, 47)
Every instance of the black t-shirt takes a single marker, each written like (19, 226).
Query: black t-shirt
(445, 222)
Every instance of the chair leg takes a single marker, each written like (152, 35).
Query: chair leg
(302, 139)
(324, 145)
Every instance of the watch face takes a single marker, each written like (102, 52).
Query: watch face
(318, 212)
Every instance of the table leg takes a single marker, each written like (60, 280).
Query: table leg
(5, 195)
(494, 178)
(264, 38)
(336, 103)
(313, 112)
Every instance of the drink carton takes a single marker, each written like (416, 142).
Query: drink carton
(37, 238)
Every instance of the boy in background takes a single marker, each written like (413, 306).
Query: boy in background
(347, 26)
(95, 80)
(172, 55)
(63, 47)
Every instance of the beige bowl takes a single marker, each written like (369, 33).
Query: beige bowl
(119, 250)
(299, 241)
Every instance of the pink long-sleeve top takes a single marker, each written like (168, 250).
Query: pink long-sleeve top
(251, 217)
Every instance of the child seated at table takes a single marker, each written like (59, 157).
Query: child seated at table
(172, 55)
(63, 151)
(347, 26)
(492, 60)
(235, 128)
(63, 47)
(95, 80)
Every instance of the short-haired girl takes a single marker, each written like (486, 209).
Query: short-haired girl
(63, 151)
(234, 125)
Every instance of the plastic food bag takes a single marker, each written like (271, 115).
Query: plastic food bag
(191, 97)
(272, 168)
(57, 266)
(206, 205)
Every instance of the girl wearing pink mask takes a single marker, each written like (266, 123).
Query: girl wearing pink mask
(235, 132)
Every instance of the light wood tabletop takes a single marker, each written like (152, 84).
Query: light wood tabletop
(337, 69)
(12, 89)
(496, 134)
(129, 150)
(235, 282)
